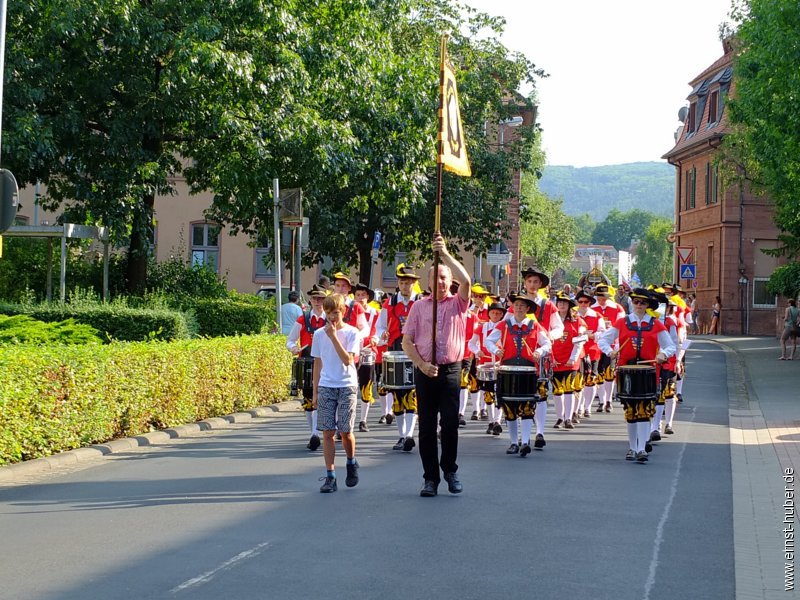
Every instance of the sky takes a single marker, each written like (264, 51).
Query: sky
(619, 70)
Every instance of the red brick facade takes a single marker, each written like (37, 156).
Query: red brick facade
(726, 227)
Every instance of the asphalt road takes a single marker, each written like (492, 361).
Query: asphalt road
(237, 514)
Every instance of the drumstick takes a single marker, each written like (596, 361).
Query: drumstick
(644, 362)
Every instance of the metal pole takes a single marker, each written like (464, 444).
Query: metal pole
(49, 269)
(298, 256)
(36, 194)
(276, 205)
(105, 271)
(62, 286)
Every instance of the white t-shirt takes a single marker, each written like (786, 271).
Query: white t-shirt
(334, 373)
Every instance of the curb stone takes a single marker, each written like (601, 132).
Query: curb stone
(10, 473)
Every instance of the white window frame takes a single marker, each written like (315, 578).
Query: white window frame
(200, 253)
(267, 274)
(775, 298)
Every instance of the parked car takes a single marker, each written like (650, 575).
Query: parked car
(267, 292)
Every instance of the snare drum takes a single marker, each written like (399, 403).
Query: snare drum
(302, 374)
(636, 383)
(367, 357)
(517, 383)
(397, 371)
(487, 372)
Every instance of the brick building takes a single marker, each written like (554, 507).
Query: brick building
(727, 227)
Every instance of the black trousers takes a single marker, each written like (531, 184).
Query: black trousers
(437, 401)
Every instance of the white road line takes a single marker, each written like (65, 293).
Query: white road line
(208, 575)
(651, 577)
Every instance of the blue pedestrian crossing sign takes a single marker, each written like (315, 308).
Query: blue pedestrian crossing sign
(688, 271)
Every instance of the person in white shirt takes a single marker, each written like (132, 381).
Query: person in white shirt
(334, 348)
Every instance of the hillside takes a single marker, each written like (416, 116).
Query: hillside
(596, 190)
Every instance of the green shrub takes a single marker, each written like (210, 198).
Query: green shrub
(231, 316)
(24, 329)
(112, 321)
(55, 398)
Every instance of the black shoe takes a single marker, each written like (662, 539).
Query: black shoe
(389, 419)
(429, 490)
(575, 420)
(497, 429)
(352, 475)
(362, 427)
(399, 445)
(668, 430)
(655, 436)
(474, 416)
(641, 457)
(490, 429)
(648, 447)
(329, 485)
(338, 436)
(313, 443)
(525, 450)
(608, 407)
(461, 421)
(382, 420)
(631, 455)
(586, 414)
(408, 444)
(453, 484)
(484, 415)
(557, 424)
(539, 442)
(568, 424)
(679, 397)
(513, 449)
(599, 409)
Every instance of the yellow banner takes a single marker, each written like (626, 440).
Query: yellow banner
(452, 143)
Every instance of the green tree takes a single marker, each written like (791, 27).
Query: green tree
(546, 232)
(584, 228)
(112, 98)
(619, 229)
(654, 253)
(767, 107)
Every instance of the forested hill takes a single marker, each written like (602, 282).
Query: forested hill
(649, 186)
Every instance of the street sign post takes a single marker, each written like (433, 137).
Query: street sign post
(498, 259)
(686, 254)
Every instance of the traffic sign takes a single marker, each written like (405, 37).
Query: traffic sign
(688, 271)
(686, 254)
(498, 258)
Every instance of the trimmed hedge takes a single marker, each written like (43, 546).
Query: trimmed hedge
(56, 398)
(119, 323)
(22, 329)
(231, 317)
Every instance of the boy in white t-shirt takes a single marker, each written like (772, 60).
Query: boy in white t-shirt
(334, 348)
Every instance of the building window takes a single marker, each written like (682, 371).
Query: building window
(762, 298)
(692, 117)
(710, 265)
(205, 245)
(691, 188)
(265, 262)
(708, 183)
(712, 181)
(713, 105)
(687, 184)
(389, 269)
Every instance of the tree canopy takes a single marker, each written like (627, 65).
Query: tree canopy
(113, 99)
(619, 229)
(654, 253)
(766, 108)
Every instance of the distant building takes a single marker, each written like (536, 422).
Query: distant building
(723, 230)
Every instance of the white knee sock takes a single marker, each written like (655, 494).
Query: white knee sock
(679, 387)
(477, 401)
(559, 404)
(632, 436)
(310, 414)
(657, 418)
(411, 422)
(527, 427)
(364, 411)
(569, 406)
(389, 400)
(540, 416)
(642, 435)
(670, 403)
(401, 424)
(462, 400)
(606, 392)
(513, 431)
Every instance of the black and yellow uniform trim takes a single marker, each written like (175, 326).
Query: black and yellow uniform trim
(567, 382)
(667, 386)
(518, 410)
(404, 401)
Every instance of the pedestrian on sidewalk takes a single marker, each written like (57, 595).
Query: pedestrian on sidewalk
(791, 329)
(334, 348)
(437, 376)
(716, 311)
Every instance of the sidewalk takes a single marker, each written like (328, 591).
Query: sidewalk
(764, 418)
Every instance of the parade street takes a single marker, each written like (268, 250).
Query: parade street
(235, 512)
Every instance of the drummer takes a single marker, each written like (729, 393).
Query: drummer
(486, 360)
(595, 326)
(666, 376)
(299, 343)
(642, 338)
(366, 366)
(520, 341)
(567, 359)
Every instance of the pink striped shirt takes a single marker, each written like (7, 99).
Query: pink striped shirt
(451, 326)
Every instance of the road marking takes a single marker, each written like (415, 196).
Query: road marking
(209, 575)
(651, 577)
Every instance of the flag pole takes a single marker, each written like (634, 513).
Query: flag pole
(437, 218)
